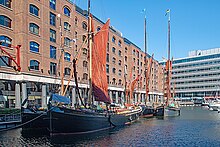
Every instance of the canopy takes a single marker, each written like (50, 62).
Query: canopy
(60, 98)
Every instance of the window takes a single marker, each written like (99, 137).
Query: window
(66, 11)
(119, 72)
(119, 43)
(119, 62)
(113, 49)
(53, 4)
(84, 25)
(113, 39)
(133, 52)
(113, 70)
(53, 68)
(67, 71)
(34, 47)
(126, 58)
(6, 3)
(66, 41)
(113, 60)
(85, 76)
(34, 10)
(34, 28)
(107, 47)
(126, 49)
(119, 53)
(98, 29)
(119, 82)
(85, 64)
(76, 35)
(52, 35)
(113, 81)
(107, 58)
(83, 37)
(5, 21)
(67, 56)
(76, 21)
(107, 68)
(5, 41)
(53, 52)
(84, 51)
(34, 64)
(5, 61)
(52, 19)
(67, 26)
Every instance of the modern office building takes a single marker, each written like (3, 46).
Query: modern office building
(36, 25)
(197, 75)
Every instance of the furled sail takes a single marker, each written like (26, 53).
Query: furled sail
(99, 77)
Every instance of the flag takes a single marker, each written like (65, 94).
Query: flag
(168, 11)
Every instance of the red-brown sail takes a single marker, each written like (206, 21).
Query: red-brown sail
(99, 77)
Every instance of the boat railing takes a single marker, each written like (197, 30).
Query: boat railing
(10, 117)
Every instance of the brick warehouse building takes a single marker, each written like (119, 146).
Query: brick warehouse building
(35, 25)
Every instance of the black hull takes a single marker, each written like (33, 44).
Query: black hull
(35, 120)
(147, 112)
(69, 121)
(78, 123)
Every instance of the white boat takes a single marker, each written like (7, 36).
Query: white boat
(215, 105)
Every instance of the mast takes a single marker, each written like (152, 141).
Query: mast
(168, 60)
(145, 50)
(90, 52)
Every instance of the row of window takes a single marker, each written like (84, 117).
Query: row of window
(197, 76)
(198, 82)
(196, 64)
(197, 70)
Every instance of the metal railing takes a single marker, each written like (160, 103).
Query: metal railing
(10, 117)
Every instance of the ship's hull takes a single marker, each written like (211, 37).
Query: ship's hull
(79, 122)
(35, 120)
(167, 111)
(147, 112)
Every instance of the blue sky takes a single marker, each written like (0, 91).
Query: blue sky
(195, 24)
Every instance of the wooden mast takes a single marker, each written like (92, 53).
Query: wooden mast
(168, 61)
(90, 52)
(145, 50)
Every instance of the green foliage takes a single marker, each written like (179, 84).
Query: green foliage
(9, 111)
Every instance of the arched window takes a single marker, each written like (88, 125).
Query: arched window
(66, 41)
(119, 62)
(85, 76)
(67, 71)
(113, 60)
(6, 3)
(67, 11)
(126, 58)
(133, 52)
(113, 70)
(5, 61)
(113, 39)
(53, 4)
(98, 29)
(34, 64)
(67, 26)
(126, 49)
(119, 72)
(119, 43)
(113, 49)
(84, 51)
(113, 81)
(5, 41)
(34, 10)
(119, 82)
(85, 64)
(84, 25)
(34, 47)
(34, 28)
(5, 21)
(119, 53)
(107, 58)
(67, 56)
(83, 37)
(76, 21)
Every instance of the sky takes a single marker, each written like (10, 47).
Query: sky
(195, 24)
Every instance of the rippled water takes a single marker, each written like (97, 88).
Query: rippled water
(195, 127)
